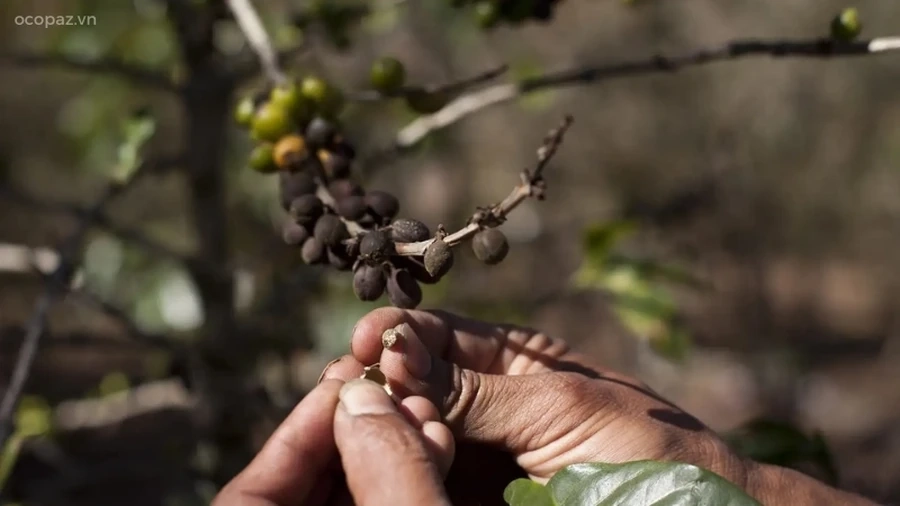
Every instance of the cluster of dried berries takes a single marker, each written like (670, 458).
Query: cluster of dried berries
(489, 13)
(333, 220)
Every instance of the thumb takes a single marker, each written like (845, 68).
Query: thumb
(518, 414)
(385, 459)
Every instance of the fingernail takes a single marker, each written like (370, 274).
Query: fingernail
(325, 370)
(364, 397)
(352, 334)
(415, 355)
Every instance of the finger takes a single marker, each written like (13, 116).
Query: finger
(439, 441)
(380, 449)
(419, 410)
(290, 463)
(344, 368)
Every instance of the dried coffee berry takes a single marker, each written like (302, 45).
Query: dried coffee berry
(351, 208)
(342, 188)
(426, 102)
(320, 132)
(403, 290)
(383, 204)
(293, 233)
(344, 149)
(406, 230)
(330, 230)
(305, 209)
(338, 258)
(369, 282)
(313, 251)
(416, 268)
(490, 246)
(438, 258)
(376, 245)
(337, 166)
(289, 152)
(293, 185)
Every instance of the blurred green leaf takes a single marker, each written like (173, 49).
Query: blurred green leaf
(8, 456)
(137, 130)
(114, 383)
(782, 444)
(34, 416)
(600, 239)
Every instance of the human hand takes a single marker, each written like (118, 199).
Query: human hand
(358, 427)
(526, 394)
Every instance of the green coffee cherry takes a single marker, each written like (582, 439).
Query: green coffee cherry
(271, 122)
(289, 97)
(327, 99)
(846, 26)
(243, 111)
(262, 159)
(387, 75)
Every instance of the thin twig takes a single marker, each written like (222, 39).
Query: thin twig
(451, 88)
(248, 20)
(55, 285)
(135, 74)
(476, 101)
(531, 185)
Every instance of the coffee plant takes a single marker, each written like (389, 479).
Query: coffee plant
(333, 221)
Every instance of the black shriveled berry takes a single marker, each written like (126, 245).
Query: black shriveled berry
(376, 245)
(369, 282)
(403, 290)
(383, 204)
(293, 233)
(337, 165)
(416, 268)
(330, 230)
(405, 230)
(438, 258)
(339, 259)
(313, 251)
(293, 185)
(320, 132)
(340, 188)
(344, 149)
(490, 246)
(351, 208)
(543, 10)
(305, 209)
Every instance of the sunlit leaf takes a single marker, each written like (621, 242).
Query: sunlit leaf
(600, 239)
(137, 130)
(648, 483)
(525, 492)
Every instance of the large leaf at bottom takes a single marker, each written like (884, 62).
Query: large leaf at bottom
(642, 483)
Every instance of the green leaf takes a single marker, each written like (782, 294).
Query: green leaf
(600, 239)
(524, 492)
(137, 130)
(783, 444)
(648, 483)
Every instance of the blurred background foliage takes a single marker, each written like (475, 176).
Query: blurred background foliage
(728, 233)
